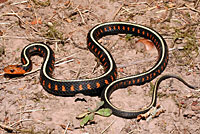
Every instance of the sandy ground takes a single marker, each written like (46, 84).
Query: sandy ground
(28, 108)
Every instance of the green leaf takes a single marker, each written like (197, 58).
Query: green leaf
(91, 116)
(104, 112)
(86, 119)
(128, 37)
(91, 110)
(80, 116)
(98, 105)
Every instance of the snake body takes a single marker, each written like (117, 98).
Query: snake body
(107, 80)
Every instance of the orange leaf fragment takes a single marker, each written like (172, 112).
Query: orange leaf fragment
(147, 43)
(64, 127)
(29, 6)
(68, 20)
(121, 70)
(36, 21)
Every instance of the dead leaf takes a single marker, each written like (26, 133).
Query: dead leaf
(147, 43)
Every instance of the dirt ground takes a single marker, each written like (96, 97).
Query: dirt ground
(63, 24)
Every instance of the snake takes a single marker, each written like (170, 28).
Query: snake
(105, 83)
(134, 113)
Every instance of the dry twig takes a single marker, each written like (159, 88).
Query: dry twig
(115, 14)
(30, 111)
(67, 127)
(83, 21)
(191, 8)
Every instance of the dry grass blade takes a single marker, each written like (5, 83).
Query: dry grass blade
(30, 111)
(107, 127)
(67, 127)
(21, 2)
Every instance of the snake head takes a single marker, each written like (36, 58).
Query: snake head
(14, 70)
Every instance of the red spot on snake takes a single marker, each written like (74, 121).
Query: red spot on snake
(49, 85)
(80, 87)
(162, 68)
(98, 85)
(159, 71)
(63, 88)
(115, 74)
(112, 78)
(133, 81)
(89, 43)
(43, 82)
(138, 30)
(142, 79)
(147, 77)
(118, 27)
(99, 52)
(106, 82)
(154, 74)
(23, 61)
(89, 86)
(56, 87)
(72, 88)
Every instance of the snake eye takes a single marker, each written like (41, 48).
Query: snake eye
(12, 70)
